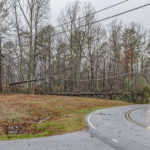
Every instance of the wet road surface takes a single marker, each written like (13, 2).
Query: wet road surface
(120, 128)
(123, 128)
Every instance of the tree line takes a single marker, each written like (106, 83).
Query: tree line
(77, 56)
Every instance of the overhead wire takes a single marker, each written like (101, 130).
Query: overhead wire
(106, 18)
(93, 13)
(54, 76)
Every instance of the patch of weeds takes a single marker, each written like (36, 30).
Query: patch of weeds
(40, 127)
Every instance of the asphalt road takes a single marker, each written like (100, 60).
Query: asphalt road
(122, 128)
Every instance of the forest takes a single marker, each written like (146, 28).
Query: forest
(80, 56)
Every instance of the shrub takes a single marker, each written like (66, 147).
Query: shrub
(145, 93)
(143, 90)
(141, 100)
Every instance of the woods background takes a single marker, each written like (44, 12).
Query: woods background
(79, 56)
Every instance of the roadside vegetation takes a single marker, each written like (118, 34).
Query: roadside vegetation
(29, 116)
(143, 91)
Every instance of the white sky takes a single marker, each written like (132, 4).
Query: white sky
(141, 16)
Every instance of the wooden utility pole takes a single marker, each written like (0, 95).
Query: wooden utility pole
(0, 66)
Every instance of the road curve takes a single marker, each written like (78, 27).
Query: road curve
(120, 128)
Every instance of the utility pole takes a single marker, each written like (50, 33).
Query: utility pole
(0, 66)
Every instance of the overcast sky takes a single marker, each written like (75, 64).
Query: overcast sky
(141, 16)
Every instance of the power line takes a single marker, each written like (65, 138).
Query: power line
(111, 77)
(107, 18)
(54, 76)
(101, 10)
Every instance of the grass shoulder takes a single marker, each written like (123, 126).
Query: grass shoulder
(68, 116)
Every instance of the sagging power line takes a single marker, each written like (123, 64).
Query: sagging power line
(111, 77)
